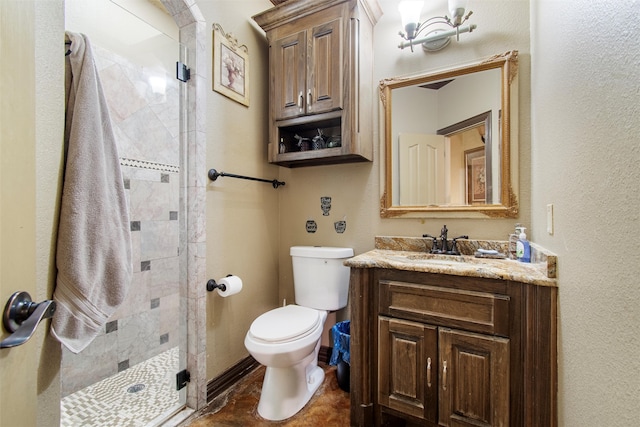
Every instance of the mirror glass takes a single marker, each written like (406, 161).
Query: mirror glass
(449, 141)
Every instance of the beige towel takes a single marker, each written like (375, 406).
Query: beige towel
(94, 242)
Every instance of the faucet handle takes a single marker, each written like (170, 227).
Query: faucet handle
(454, 244)
(434, 245)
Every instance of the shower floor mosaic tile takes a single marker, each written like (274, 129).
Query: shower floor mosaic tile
(138, 396)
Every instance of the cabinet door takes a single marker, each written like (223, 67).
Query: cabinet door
(407, 367)
(474, 379)
(289, 78)
(324, 73)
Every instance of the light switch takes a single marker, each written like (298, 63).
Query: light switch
(550, 218)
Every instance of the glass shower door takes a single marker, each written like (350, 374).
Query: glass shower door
(128, 375)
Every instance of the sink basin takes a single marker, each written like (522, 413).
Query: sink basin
(431, 258)
(435, 257)
(425, 258)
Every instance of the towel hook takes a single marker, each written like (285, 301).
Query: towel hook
(21, 316)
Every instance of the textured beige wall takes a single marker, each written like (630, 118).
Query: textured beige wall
(586, 162)
(242, 216)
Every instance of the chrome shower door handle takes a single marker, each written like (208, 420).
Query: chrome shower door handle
(22, 316)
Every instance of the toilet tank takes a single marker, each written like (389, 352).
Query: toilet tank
(320, 279)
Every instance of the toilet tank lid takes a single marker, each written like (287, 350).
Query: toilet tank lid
(321, 252)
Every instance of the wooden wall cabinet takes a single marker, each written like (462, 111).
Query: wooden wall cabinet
(307, 79)
(320, 78)
(438, 350)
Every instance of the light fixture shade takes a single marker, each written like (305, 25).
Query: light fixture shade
(410, 11)
(456, 9)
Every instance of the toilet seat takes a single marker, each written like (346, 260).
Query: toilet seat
(285, 324)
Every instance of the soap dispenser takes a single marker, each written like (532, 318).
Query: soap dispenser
(523, 248)
(513, 241)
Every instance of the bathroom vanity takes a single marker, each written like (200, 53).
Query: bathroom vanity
(452, 340)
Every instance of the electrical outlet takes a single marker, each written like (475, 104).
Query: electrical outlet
(550, 218)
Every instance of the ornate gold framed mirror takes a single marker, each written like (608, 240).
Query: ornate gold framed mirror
(450, 141)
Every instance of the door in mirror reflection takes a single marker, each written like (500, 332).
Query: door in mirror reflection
(450, 169)
(422, 169)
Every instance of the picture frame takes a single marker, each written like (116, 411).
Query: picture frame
(230, 66)
(474, 160)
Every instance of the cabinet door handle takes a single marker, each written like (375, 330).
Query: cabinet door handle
(309, 99)
(444, 375)
(300, 100)
(429, 372)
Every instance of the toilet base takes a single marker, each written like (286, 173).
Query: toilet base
(285, 391)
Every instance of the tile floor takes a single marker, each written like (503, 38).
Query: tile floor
(329, 407)
(143, 395)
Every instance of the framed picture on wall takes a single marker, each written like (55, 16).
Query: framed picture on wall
(230, 66)
(476, 176)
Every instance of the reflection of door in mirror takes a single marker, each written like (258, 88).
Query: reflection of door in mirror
(444, 170)
(471, 150)
(422, 169)
(469, 165)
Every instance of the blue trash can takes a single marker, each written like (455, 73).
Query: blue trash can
(340, 356)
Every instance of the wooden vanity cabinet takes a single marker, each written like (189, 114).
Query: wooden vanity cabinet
(443, 375)
(438, 350)
(320, 78)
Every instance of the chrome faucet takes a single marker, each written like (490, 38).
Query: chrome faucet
(444, 245)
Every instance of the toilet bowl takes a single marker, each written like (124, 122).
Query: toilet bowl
(287, 341)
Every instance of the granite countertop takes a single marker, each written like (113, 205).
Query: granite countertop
(412, 254)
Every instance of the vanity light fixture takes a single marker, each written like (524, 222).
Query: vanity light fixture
(437, 38)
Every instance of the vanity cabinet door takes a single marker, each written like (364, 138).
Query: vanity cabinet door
(407, 367)
(474, 379)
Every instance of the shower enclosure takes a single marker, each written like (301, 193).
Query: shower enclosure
(130, 374)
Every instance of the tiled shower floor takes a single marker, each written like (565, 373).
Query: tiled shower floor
(142, 395)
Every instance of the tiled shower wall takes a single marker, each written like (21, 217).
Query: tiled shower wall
(146, 125)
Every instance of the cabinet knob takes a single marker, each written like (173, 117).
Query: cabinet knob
(429, 372)
(300, 100)
(309, 99)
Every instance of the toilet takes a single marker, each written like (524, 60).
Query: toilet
(287, 339)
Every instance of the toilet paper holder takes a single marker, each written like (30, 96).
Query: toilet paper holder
(212, 285)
